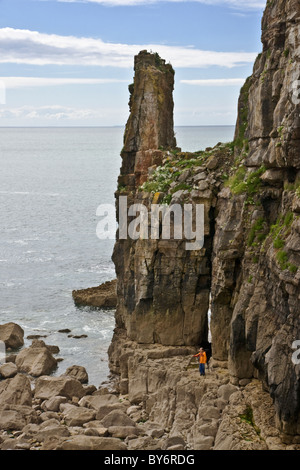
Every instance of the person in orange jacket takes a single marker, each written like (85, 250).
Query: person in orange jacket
(202, 360)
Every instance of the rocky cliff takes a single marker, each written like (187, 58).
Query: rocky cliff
(255, 308)
(247, 271)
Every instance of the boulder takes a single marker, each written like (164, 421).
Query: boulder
(144, 443)
(49, 387)
(16, 391)
(98, 401)
(95, 428)
(226, 390)
(79, 373)
(104, 410)
(77, 415)
(16, 417)
(117, 418)
(12, 335)
(172, 441)
(122, 432)
(53, 403)
(15, 444)
(36, 360)
(41, 432)
(51, 429)
(8, 370)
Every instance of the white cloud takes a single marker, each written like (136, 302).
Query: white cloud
(25, 82)
(22, 46)
(215, 82)
(58, 113)
(238, 4)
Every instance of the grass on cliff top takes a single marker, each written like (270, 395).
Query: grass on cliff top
(242, 183)
(176, 163)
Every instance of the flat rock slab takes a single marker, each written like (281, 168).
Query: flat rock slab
(82, 442)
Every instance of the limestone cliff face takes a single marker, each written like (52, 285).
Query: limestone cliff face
(248, 268)
(255, 277)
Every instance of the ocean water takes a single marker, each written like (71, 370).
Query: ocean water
(51, 182)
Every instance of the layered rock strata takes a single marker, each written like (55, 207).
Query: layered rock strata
(248, 268)
(255, 276)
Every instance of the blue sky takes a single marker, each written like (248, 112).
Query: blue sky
(69, 62)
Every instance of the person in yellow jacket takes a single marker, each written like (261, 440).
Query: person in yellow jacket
(202, 360)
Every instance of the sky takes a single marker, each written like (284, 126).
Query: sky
(69, 62)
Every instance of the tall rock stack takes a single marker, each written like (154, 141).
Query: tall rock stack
(150, 125)
(163, 290)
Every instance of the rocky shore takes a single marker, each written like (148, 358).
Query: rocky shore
(247, 274)
(168, 405)
(102, 296)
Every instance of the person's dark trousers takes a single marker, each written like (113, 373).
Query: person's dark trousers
(202, 369)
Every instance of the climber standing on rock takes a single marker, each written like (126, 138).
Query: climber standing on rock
(202, 360)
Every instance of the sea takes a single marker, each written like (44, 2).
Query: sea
(52, 180)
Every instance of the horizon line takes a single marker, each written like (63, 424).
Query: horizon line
(107, 127)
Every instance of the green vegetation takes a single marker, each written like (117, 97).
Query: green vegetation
(160, 180)
(181, 186)
(257, 232)
(279, 232)
(175, 164)
(122, 188)
(239, 183)
(178, 168)
(248, 418)
(293, 187)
